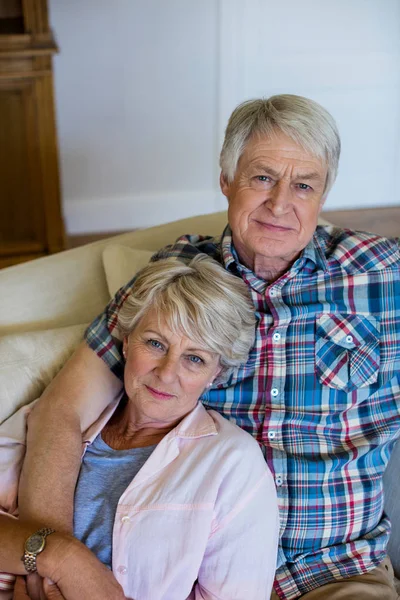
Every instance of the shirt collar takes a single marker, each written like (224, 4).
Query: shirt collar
(198, 423)
(314, 252)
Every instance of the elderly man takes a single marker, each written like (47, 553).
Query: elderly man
(321, 390)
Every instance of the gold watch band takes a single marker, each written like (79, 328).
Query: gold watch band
(30, 554)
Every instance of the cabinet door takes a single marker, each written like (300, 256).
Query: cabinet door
(22, 221)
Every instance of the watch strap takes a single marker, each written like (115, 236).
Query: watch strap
(29, 558)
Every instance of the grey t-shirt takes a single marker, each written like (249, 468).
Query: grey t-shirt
(104, 476)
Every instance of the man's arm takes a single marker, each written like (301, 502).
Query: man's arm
(73, 401)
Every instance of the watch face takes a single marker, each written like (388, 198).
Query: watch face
(35, 543)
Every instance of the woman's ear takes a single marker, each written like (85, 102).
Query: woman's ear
(217, 372)
(125, 347)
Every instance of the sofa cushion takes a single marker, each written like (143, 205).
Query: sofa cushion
(121, 263)
(29, 361)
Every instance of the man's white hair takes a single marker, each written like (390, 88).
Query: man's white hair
(302, 119)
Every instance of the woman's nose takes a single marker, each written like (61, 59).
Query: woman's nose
(167, 369)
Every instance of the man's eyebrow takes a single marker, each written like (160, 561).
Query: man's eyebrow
(309, 176)
(265, 169)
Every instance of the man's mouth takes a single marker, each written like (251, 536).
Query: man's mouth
(273, 227)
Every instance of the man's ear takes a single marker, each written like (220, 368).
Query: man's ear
(224, 185)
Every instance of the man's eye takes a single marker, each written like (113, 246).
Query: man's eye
(304, 186)
(263, 178)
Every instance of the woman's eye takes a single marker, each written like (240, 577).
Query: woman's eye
(155, 344)
(195, 359)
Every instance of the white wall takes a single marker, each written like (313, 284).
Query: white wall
(344, 54)
(144, 89)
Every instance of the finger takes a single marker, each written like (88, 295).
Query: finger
(34, 586)
(20, 591)
(51, 590)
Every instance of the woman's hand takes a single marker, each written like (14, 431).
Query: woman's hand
(76, 571)
(46, 591)
(20, 590)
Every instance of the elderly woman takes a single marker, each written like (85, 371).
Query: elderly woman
(176, 500)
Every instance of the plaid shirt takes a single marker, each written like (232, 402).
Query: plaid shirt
(320, 392)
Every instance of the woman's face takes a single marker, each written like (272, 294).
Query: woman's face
(165, 373)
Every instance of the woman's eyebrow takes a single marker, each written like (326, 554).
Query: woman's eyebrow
(157, 333)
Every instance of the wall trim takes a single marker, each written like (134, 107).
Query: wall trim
(92, 215)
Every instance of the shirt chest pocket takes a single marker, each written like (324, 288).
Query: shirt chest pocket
(347, 350)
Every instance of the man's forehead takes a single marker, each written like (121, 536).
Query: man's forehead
(277, 149)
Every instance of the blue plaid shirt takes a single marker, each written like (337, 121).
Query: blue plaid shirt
(320, 392)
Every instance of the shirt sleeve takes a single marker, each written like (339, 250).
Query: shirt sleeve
(12, 453)
(102, 335)
(240, 559)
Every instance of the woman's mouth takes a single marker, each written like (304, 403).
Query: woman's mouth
(158, 393)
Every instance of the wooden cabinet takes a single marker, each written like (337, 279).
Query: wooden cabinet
(30, 211)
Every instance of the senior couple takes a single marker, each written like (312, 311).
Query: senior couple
(192, 513)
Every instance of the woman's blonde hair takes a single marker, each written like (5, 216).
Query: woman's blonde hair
(199, 299)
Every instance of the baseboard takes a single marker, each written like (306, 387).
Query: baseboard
(130, 212)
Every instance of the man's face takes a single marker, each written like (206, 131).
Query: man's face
(274, 201)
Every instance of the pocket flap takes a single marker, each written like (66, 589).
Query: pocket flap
(348, 331)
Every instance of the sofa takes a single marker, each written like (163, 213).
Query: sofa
(46, 304)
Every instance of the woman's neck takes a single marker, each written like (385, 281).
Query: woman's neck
(126, 430)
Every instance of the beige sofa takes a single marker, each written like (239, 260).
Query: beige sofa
(45, 305)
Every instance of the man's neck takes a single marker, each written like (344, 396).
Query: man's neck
(269, 272)
(268, 268)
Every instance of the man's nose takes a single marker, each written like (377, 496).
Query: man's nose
(279, 199)
(167, 369)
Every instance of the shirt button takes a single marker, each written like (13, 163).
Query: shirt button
(271, 435)
(278, 480)
(349, 339)
(125, 519)
(272, 293)
(274, 392)
(276, 337)
(121, 569)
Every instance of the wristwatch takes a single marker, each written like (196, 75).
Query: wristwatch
(34, 545)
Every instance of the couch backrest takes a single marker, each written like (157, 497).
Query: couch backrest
(69, 288)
